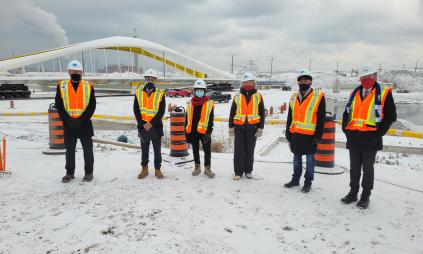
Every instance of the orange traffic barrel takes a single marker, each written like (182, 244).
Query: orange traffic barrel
(178, 142)
(325, 154)
(56, 132)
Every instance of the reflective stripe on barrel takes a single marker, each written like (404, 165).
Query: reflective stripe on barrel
(178, 143)
(325, 154)
(56, 132)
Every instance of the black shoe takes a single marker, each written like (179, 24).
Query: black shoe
(291, 184)
(349, 198)
(306, 188)
(363, 203)
(88, 178)
(67, 178)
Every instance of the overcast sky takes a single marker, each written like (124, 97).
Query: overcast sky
(389, 32)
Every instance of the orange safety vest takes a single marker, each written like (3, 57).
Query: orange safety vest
(203, 124)
(304, 114)
(75, 102)
(244, 111)
(363, 115)
(149, 105)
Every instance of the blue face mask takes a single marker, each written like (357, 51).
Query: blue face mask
(199, 93)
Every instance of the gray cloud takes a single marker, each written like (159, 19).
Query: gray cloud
(290, 31)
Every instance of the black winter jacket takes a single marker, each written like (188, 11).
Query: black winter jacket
(157, 121)
(246, 125)
(306, 144)
(86, 126)
(371, 140)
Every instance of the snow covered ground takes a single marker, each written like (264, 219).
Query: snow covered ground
(117, 213)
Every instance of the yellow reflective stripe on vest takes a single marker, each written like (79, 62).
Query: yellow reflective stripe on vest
(204, 125)
(158, 94)
(189, 121)
(238, 115)
(311, 108)
(86, 93)
(255, 114)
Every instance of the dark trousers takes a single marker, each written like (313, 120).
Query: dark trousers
(298, 168)
(87, 147)
(359, 160)
(195, 143)
(245, 142)
(145, 149)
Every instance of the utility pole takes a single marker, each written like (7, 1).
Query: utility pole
(415, 68)
(403, 67)
(309, 65)
(251, 65)
(232, 65)
(337, 66)
(380, 68)
(271, 69)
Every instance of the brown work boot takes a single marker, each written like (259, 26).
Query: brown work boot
(208, 172)
(159, 174)
(197, 170)
(67, 178)
(143, 173)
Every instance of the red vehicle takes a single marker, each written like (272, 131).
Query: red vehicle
(179, 93)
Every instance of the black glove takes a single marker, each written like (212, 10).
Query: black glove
(75, 124)
(316, 141)
(206, 138)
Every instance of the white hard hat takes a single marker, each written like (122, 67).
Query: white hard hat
(247, 77)
(304, 72)
(367, 69)
(75, 65)
(199, 83)
(150, 73)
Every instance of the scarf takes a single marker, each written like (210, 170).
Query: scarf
(196, 101)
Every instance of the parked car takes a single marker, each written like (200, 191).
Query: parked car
(178, 93)
(286, 88)
(219, 96)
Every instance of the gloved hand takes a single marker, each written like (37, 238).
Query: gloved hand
(259, 132)
(232, 132)
(75, 124)
(206, 138)
(316, 141)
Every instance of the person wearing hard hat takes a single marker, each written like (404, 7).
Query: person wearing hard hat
(199, 126)
(149, 109)
(369, 113)
(304, 128)
(75, 102)
(246, 123)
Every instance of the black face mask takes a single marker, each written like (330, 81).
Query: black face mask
(149, 85)
(304, 87)
(75, 77)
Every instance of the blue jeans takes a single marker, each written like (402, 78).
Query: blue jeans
(145, 152)
(298, 169)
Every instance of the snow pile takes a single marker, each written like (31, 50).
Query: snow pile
(406, 79)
